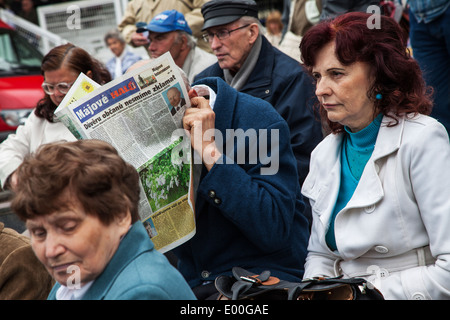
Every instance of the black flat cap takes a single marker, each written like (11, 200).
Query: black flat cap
(220, 12)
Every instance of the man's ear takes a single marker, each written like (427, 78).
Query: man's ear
(184, 42)
(254, 32)
(89, 74)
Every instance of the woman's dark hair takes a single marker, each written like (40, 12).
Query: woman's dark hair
(76, 59)
(397, 75)
(89, 172)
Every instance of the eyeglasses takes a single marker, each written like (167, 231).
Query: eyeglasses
(221, 34)
(62, 87)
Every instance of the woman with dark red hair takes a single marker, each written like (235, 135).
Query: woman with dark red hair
(378, 183)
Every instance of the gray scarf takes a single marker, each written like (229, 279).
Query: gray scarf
(240, 78)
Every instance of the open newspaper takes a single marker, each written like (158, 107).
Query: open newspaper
(134, 114)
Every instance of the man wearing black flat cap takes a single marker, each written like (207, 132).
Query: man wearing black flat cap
(221, 12)
(250, 64)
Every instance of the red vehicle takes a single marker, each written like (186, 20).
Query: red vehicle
(20, 79)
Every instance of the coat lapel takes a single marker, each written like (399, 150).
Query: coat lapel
(370, 190)
(322, 183)
(133, 244)
(391, 137)
(262, 73)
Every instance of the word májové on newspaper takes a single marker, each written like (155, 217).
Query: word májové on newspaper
(133, 113)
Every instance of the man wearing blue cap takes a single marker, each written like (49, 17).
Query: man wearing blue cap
(169, 31)
(146, 10)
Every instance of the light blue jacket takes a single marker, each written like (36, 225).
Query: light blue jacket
(128, 60)
(137, 272)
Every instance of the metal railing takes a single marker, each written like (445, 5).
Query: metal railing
(83, 23)
(43, 39)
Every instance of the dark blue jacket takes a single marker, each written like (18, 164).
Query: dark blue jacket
(281, 81)
(245, 218)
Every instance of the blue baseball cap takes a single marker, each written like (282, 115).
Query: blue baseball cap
(166, 21)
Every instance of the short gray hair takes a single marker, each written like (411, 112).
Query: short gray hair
(114, 34)
(248, 20)
(189, 38)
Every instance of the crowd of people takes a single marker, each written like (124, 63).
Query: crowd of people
(361, 138)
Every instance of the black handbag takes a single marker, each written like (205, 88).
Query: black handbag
(245, 285)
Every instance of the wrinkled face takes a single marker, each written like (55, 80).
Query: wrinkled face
(342, 90)
(232, 51)
(72, 244)
(60, 75)
(116, 46)
(174, 96)
(161, 43)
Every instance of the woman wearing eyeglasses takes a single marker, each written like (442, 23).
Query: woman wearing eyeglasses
(60, 68)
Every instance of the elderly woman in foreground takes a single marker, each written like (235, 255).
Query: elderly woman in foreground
(378, 184)
(80, 203)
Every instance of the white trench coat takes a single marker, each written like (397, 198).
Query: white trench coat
(28, 137)
(395, 230)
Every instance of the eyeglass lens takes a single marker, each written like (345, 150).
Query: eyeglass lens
(62, 87)
(221, 34)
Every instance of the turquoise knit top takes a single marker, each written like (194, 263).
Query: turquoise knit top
(357, 148)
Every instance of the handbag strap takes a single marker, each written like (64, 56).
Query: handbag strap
(246, 280)
(263, 278)
(334, 280)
